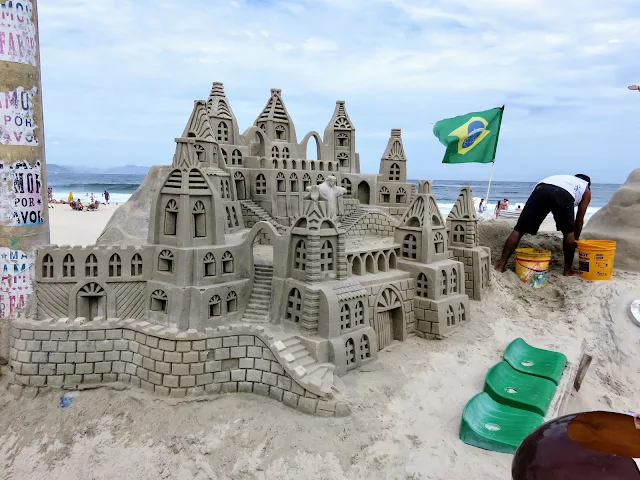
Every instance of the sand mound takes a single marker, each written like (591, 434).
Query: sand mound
(494, 234)
(619, 220)
(129, 225)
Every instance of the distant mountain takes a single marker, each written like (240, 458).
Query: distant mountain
(126, 169)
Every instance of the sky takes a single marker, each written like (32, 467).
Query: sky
(120, 77)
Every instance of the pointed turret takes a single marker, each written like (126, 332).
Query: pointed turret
(275, 121)
(222, 119)
(462, 221)
(393, 165)
(340, 134)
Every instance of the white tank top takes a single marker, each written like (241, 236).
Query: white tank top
(572, 184)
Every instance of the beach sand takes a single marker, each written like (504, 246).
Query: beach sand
(406, 406)
(71, 227)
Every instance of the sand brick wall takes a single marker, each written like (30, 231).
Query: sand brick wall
(374, 223)
(238, 358)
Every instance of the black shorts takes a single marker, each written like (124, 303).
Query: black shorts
(547, 199)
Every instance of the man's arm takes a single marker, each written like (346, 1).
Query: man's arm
(582, 209)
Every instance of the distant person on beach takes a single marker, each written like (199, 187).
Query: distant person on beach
(559, 195)
(519, 208)
(505, 204)
(482, 207)
(106, 196)
(498, 208)
(49, 194)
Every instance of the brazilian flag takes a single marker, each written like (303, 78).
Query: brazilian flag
(470, 138)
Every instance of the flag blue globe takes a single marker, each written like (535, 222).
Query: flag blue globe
(474, 130)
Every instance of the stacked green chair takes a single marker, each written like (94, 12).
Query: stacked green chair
(517, 394)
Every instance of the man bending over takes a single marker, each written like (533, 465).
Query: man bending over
(558, 195)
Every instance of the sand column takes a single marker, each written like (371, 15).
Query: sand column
(24, 219)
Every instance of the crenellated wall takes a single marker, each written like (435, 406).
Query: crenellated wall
(235, 358)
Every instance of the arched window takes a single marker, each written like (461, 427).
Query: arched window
(451, 317)
(170, 217)
(410, 247)
(326, 257)
(91, 266)
(199, 220)
(286, 154)
(422, 286)
(293, 180)
(358, 314)
(306, 182)
(68, 266)
(370, 264)
(47, 266)
(159, 301)
(236, 158)
(438, 242)
(356, 267)
(458, 233)
(165, 261)
(300, 256)
(443, 282)
(227, 262)
(261, 185)
(320, 179)
(115, 266)
(392, 260)
(232, 302)
(462, 315)
(294, 306)
(223, 132)
(394, 172)
(281, 132)
(345, 317)
(281, 182)
(342, 140)
(365, 348)
(214, 306)
(350, 352)
(136, 265)
(385, 196)
(401, 195)
(275, 153)
(209, 265)
(343, 159)
(453, 281)
(346, 184)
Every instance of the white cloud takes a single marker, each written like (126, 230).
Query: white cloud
(561, 66)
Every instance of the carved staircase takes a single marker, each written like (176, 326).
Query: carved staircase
(315, 377)
(353, 218)
(260, 301)
(262, 214)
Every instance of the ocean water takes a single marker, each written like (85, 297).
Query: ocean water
(121, 186)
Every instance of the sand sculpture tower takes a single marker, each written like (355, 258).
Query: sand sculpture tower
(440, 302)
(340, 133)
(462, 224)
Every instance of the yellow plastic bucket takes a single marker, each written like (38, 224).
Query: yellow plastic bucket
(596, 259)
(532, 266)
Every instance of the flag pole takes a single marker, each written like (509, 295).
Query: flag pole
(493, 165)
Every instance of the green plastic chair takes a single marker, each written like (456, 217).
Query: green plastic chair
(519, 390)
(488, 425)
(535, 361)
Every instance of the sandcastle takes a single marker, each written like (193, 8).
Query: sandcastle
(264, 271)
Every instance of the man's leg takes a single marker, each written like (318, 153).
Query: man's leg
(569, 249)
(509, 247)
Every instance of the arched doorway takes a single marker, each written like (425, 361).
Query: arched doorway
(91, 302)
(241, 187)
(389, 317)
(363, 193)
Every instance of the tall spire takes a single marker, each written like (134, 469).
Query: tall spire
(275, 109)
(217, 104)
